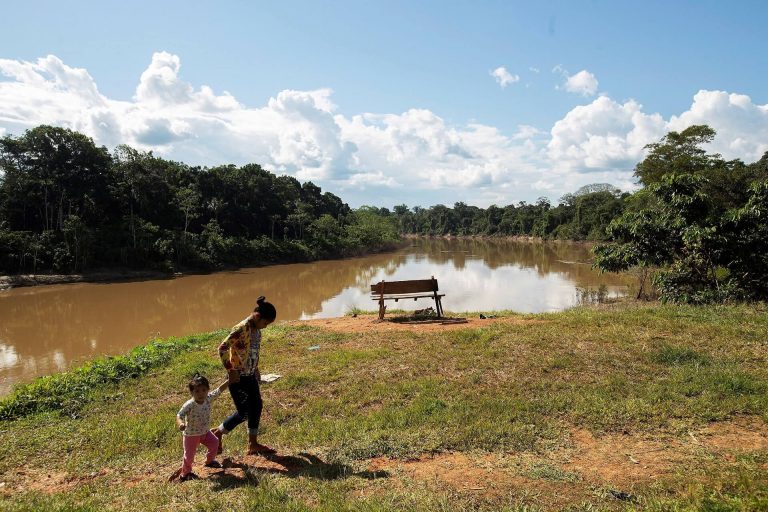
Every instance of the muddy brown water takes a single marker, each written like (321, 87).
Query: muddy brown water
(48, 329)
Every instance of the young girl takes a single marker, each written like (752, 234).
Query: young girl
(239, 353)
(194, 419)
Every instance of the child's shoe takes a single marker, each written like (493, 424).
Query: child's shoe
(189, 476)
(213, 464)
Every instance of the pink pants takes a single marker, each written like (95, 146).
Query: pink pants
(190, 447)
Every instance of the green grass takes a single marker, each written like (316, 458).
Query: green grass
(69, 391)
(503, 388)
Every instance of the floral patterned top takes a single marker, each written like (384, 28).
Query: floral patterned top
(197, 416)
(240, 349)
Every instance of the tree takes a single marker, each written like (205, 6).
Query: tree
(188, 201)
(746, 254)
(655, 237)
(596, 187)
(49, 174)
(677, 152)
(683, 226)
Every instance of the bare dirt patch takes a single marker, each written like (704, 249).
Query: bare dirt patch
(49, 482)
(371, 323)
(489, 477)
(742, 434)
(615, 463)
(620, 460)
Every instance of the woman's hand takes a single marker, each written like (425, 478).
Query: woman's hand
(234, 376)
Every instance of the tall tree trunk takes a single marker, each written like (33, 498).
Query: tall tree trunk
(133, 228)
(45, 205)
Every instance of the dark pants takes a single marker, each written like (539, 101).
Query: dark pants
(247, 398)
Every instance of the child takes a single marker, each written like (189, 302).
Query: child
(194, 419)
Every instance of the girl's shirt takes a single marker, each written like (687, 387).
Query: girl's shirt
(198, 416)
(240, 349)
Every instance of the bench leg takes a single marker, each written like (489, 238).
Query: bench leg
(438, 305)
(382, 308)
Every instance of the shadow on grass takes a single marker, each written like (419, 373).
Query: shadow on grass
(291, 466)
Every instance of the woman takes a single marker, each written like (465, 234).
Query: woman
(239, 353)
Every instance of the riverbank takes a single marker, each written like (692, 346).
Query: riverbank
(114, 275)
(105, 276)
(623, 406)
(504, 238)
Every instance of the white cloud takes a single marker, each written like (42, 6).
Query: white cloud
(603, 135)
(413, 156)
(542, 185)
(742, 126)
(504, 77)
(583, 83)
(525, 131)
(534, 70)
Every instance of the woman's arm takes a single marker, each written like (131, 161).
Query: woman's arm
(224, 351)
(223, 386)
(180, 424)
(225, 354)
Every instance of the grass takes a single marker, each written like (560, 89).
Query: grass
(504, 389)
(69, 391)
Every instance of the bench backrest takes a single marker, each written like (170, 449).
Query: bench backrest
(398, 287)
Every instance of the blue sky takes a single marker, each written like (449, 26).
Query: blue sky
(389, 102)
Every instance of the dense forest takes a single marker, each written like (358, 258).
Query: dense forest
(67, 205)
(582, 215)
(697, 228)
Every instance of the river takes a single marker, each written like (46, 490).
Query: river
(48, 329)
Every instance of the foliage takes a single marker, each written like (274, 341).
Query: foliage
(583, 215)
(67, 205)
(705, 244)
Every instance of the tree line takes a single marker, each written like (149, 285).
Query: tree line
(68, 205)
(582, 215)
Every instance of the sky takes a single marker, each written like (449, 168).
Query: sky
(395, 102)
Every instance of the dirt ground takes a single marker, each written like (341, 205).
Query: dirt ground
(371, 323)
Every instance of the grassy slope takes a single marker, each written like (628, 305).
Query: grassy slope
(500, 389)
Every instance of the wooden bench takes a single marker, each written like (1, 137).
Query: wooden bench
(415, 289)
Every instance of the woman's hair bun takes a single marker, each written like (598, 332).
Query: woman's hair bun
(266, 310)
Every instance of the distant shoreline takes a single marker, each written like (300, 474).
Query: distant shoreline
(8, 282)
(25, 280)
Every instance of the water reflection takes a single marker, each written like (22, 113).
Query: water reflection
(47, 329)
